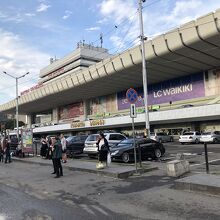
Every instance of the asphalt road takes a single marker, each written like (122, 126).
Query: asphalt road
(30, 192)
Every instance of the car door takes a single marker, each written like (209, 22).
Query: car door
(147, 148)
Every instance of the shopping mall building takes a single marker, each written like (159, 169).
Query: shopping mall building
(86, 90)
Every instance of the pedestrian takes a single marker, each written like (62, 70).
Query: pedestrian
(63, 143)
(44, 147)
(103, 148)
(49, 142)
(1, 154)
(57, 155)
(7, 152)
(51, 151)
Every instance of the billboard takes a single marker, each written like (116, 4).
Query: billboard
(71, 111)
(183, 88)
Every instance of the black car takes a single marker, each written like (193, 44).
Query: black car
(75, 145)
(146, 147)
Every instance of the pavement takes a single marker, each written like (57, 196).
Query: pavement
(204, 183)
(114, 170)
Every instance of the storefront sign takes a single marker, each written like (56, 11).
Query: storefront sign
(187, 87)
(78, 124)
(39, 85)
(97, 122)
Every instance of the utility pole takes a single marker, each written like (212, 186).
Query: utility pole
(17, 119)
(144, 70)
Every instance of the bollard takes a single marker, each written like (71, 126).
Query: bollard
(206, 158)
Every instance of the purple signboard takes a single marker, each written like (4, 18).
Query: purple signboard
(187, 87)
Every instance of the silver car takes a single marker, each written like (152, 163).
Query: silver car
(211, 137)
(161, 137)
(90, 143)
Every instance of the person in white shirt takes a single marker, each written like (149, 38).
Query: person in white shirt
(63, 143)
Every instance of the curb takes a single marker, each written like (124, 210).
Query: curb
(104, 172)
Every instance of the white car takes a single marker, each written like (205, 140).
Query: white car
(161, 137)
(90, 143)
(211, 137)
(190, 137)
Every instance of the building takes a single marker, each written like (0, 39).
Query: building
(85, 93)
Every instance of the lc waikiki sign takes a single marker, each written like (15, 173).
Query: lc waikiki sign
(183, 88)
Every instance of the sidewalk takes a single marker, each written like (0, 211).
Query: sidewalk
(204, 183)
(114, 170)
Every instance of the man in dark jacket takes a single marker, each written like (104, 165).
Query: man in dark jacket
(57, 156)
(7, 152)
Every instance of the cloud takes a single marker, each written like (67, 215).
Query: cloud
(93, 29)
(159, 17)
(43, 7)
(17, 58)
(67, 14)
(30, 14)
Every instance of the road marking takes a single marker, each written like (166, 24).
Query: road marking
(100, 210)
(198, 164)
(85, 207)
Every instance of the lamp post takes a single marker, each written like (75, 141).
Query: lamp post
(16, 78)
(144, 71)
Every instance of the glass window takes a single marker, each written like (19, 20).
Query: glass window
(92, 137)
(188, 133)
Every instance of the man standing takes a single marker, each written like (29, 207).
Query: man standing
(57, 155)
(63, 143)
(7, 152)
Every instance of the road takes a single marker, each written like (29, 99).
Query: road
(30, 192)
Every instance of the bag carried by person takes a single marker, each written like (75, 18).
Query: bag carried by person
(99, 165)
(109, 159)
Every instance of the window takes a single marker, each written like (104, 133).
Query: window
(116, 137)
(198, 133)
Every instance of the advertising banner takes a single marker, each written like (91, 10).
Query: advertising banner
(71, 111)
(27, 140)
(183, 88)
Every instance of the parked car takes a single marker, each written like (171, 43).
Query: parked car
(90, 143)
(190, 137)
(212, 137)
(75, 145)
(148, 148)
(161, 137)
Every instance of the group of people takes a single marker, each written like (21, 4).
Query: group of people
(5, 151)
(46, 147)
(54, 149)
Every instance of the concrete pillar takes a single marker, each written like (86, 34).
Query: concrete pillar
(86, 109)
(29, 120)
(55, 115)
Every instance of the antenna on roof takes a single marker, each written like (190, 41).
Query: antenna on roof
(101, 39)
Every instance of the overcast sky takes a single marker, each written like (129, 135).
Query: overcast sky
(32, 31)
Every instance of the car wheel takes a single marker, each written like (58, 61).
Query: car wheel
(157, 153)
(182, 143)
(197, 141)
(215, 141)
(125, 157)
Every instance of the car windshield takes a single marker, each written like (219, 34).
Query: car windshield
(188, 133)
(92, 137)
(152, 134)
(71, 138)
(125, 143)
(207, 133)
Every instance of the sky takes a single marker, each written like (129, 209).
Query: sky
(32, 31)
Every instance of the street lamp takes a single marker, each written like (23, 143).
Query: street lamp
(16, 78)
(144, 69)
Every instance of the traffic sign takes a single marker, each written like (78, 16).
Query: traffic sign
(133, 112)
(132, 95)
